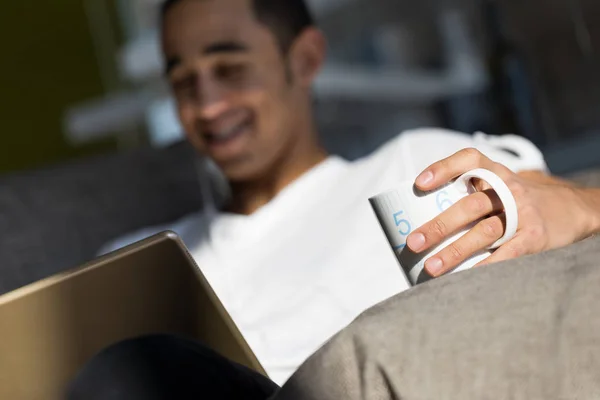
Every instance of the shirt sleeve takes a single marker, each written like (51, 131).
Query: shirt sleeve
(427, 146)
(520, 153)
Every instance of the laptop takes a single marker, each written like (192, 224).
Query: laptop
(50, 329)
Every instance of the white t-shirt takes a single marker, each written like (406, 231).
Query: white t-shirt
(307, 263)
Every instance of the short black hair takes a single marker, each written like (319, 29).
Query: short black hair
(285, 18)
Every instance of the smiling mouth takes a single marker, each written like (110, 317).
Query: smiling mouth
(226, 135)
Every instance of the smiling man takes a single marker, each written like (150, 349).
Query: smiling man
(296, 254)
(242, 85)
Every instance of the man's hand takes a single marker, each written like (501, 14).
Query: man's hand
(552, 213)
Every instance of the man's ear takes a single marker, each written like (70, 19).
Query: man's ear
(307, 55)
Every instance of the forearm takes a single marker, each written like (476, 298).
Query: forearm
(585, 199)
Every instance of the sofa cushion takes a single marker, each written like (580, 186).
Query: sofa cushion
(521, 329)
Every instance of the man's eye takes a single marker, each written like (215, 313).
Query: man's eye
(184, 86)
(230, 72)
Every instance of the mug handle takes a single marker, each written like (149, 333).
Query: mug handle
(505, 195)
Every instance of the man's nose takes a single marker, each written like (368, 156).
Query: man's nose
(212, 101)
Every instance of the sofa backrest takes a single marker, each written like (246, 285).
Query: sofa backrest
(58, 218)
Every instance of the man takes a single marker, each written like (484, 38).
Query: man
(297, 254)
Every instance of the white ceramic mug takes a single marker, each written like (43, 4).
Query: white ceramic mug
(404, 209)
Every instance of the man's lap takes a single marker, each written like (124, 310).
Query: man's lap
(164, 367)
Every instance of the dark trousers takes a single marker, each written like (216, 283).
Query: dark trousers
(166, 367)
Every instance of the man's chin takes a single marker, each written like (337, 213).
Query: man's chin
(240, 170)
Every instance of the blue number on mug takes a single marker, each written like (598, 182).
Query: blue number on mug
(442, 201)
(404, 227)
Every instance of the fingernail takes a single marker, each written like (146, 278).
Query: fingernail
(416, 241)
(434, 266)
(425, 178)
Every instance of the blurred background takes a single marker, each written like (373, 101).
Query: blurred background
(84, 76)
(89, 132)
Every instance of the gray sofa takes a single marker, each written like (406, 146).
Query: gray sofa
(524, 329)
(57, 218)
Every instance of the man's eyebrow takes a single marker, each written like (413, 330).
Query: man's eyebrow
(225, 47)
(216, 48)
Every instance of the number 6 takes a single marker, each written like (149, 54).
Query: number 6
(443, 204)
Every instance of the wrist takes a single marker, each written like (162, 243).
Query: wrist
(591, 199)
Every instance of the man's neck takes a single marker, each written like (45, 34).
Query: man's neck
(247, 197)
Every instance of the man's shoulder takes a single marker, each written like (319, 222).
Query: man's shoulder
(428, 133)
(413, 142)
(412, 150)
(189, 227)
(428, 139)
(423, 146)
(431, 135)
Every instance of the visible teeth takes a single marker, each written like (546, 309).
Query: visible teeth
(226, 133)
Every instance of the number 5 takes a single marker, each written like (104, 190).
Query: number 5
(407, 227)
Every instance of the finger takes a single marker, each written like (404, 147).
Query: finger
(445, 170)
(466, 211)
(480, 185)
(480, 237)
(514, 248)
